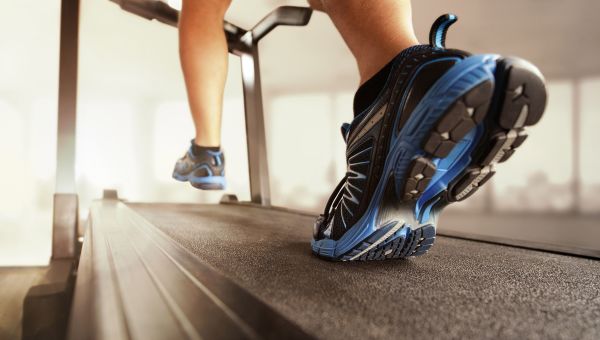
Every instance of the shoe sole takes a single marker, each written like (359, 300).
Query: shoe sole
(203, 183)
(518, 100)
(471, 119)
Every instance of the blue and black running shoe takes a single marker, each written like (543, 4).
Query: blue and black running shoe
(433, 136)
(204, 169)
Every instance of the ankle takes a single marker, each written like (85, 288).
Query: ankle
(369, 65)
(372, 85)
(206, 142)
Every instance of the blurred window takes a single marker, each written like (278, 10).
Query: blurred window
(29, 36)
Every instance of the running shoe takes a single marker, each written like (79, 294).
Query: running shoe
(433, 136)
(205, 170)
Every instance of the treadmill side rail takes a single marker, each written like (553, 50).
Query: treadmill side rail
(134, 282)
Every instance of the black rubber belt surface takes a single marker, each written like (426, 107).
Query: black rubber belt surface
(460, 289)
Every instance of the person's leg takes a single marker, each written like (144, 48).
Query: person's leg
(375, 31)
(204, 56)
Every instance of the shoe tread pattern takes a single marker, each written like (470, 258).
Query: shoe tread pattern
(519, 101)
(415, 243)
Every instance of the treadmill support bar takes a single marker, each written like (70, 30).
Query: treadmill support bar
(65, 217)
(247, 50)
(260, 192)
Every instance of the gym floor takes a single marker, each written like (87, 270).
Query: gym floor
(14, 284)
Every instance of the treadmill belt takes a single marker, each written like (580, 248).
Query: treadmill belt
(460, 289)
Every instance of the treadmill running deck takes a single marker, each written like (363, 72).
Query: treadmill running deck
(460, 289)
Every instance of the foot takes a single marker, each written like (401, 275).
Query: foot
(204, 169)
(433, 136)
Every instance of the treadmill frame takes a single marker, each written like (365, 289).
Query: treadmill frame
(244, 44)
(241, 42)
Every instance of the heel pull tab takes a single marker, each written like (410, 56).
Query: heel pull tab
(437, 34)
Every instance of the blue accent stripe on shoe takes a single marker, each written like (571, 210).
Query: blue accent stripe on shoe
(448, 169)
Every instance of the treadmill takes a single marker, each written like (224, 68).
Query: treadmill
(238, 270)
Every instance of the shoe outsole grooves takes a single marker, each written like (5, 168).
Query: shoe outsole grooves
(397, 246)
(461, 117)
(420, 172)
(417, 242)
(468, 111)
(519, 101)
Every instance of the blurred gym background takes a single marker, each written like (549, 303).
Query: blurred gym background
(133, 119)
